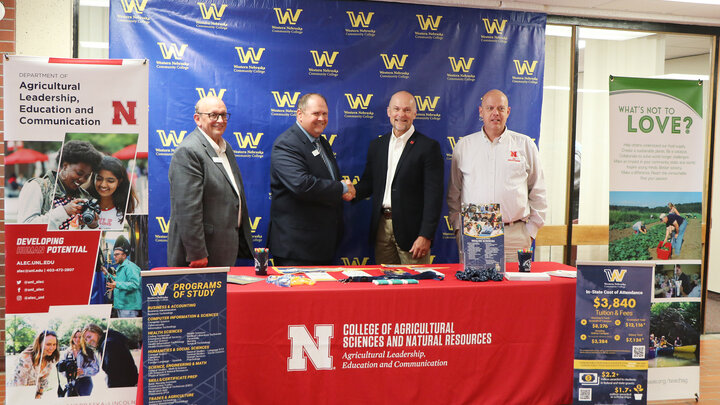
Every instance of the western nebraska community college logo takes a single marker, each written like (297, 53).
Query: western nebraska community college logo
(164, 224)
(248, 145)
(360, 23)
(285, 103)
(494, 31)
(156, 288)
(254, 223)
(394, 66)
(211, 16)
(426, 106)
(358, 104)
(133, 12)
(615, 275)
(526, 72)
(323, 63)
(429, 25)
(287, 21)
(249, 59)
(355, 261)
(173, 56)
(169, 141)
(202, 93)
(460, 69)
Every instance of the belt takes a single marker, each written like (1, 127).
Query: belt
(513, 222)
(387, 213)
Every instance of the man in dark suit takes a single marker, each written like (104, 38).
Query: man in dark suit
(306, 222)
(404, 174)
(209, 222)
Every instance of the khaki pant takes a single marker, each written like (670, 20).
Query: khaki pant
(387, 250)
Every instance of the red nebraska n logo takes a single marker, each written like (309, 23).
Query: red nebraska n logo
(513, 154)
(128, 114)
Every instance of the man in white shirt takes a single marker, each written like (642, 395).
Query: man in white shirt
(404, 175)
(497, 165)
(209, 222)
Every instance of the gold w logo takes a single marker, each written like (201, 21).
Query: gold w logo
(133, 5)
(355, 261)
(453, 141)
(494, 26)
(324, 59)
(448, 224)
(525, 68)
(254, 224)
(172, 51)
(428, 22)
(358, 101)
(285, 100)
(171, 138)
(459, 64)
(355, 179)
(210, 92)
(331, 139)
(393, 62)
(157, 288)
(212, 11)
(360, 18)
(615, 275)
(287, 16)
(426, 103)
(249, 140)
(164, 225)
(251, 55)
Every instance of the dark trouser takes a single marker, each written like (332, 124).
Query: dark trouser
(84, 386)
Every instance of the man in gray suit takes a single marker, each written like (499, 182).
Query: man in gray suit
(209, 222)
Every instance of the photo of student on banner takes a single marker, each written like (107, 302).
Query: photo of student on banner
(644, 226)
(674, 334)
(57, 198)
(120, 348)
(676, 280)
(111, 187)
(78, 363)
(121, 257)
(36, 363)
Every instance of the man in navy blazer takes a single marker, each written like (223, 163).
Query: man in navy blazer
(209, 221)
(404, 175)
(306, 220)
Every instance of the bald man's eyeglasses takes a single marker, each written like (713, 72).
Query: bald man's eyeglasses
(214, 116)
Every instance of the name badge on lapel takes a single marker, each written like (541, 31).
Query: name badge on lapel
(217, 159)
(315, 152)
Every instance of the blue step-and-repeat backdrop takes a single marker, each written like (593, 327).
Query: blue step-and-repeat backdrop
(260, 56)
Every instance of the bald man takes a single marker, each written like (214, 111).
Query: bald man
(497, 165)
(209, 222)
(404, 176)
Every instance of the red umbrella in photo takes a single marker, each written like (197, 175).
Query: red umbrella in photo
(128, 153)
(23, 155)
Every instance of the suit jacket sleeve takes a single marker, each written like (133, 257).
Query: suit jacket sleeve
(433, 175)
(289, 163)
(364, 187)
(186, 200)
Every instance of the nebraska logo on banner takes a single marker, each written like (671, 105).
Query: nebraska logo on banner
(76, 226)
(304, 346)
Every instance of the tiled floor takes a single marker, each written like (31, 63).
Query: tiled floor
(709, 374)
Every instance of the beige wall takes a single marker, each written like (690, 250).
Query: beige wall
(44, 28)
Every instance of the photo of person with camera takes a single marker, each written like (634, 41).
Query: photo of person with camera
(79, 363)
(57, 198)
(111, 187)
(35, 363)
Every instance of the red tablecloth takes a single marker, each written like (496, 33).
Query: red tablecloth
(523, 333)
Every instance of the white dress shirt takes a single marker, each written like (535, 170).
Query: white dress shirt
(395, 150)
(220, 152)
(506, 171)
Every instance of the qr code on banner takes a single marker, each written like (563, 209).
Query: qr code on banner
(584, 394)
(638, 352)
